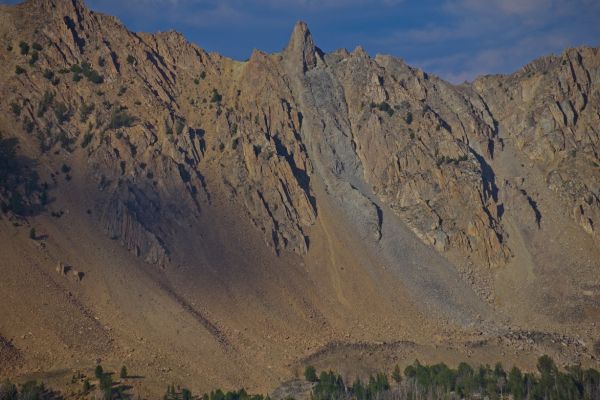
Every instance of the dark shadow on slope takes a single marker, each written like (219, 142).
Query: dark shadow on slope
(488, 176)
(534, 206)
(300, 174)
(79, 41)
(20, 190)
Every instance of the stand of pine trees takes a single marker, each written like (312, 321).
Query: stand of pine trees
(433, 382)
(234, 395)
(417, 382)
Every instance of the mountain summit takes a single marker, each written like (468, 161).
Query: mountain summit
(301, 49)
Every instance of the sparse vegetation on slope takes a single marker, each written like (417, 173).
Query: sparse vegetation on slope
(19, 187)
(419, 382)
(383, 106)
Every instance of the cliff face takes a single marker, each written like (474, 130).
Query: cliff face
(549, 110)
(455, 189)
(166, 117)
(421, 145)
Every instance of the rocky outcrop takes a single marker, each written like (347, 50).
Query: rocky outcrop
(166, 128)
(164, 118)
(301, 52)
(388, 139)
(550, 109)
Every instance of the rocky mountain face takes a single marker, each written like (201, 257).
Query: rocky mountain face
(549, 109)
(459, 189)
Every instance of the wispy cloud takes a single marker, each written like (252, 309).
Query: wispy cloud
(465, 66)
(507, 7)
(480, 37)
(456, 39)
(327, 4)
(232, 14)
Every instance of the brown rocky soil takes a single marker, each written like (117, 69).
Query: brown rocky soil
(211, 222)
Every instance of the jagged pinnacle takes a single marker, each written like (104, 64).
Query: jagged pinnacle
(301, 47)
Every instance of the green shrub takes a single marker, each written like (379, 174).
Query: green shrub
(449, 160)
(15, 108)
(37, 46)
(86, 67)
(86, 386)
(48, 74)
(24, 48)
(91, 74)
(98, 372)
(45, 102)
(120, 118)
(310, 374)
(77, 77)
(404, 105)
(31, 391)
(383, 106)
(86, 70)
(87, 139)
(408, 118)
(85, 110)
(106, 386)
(232, 395)
(32, 234)
(202, 74)
(131, 60)
(19, 70)
(216, 97)
(61, 111)
(123, 372)
(329, 386)
(95, 77)
(397, 375)
(101, 62)
(8, 391)
(28, 125)
(34, 57)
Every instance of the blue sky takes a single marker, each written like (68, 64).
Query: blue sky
(455, 39)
